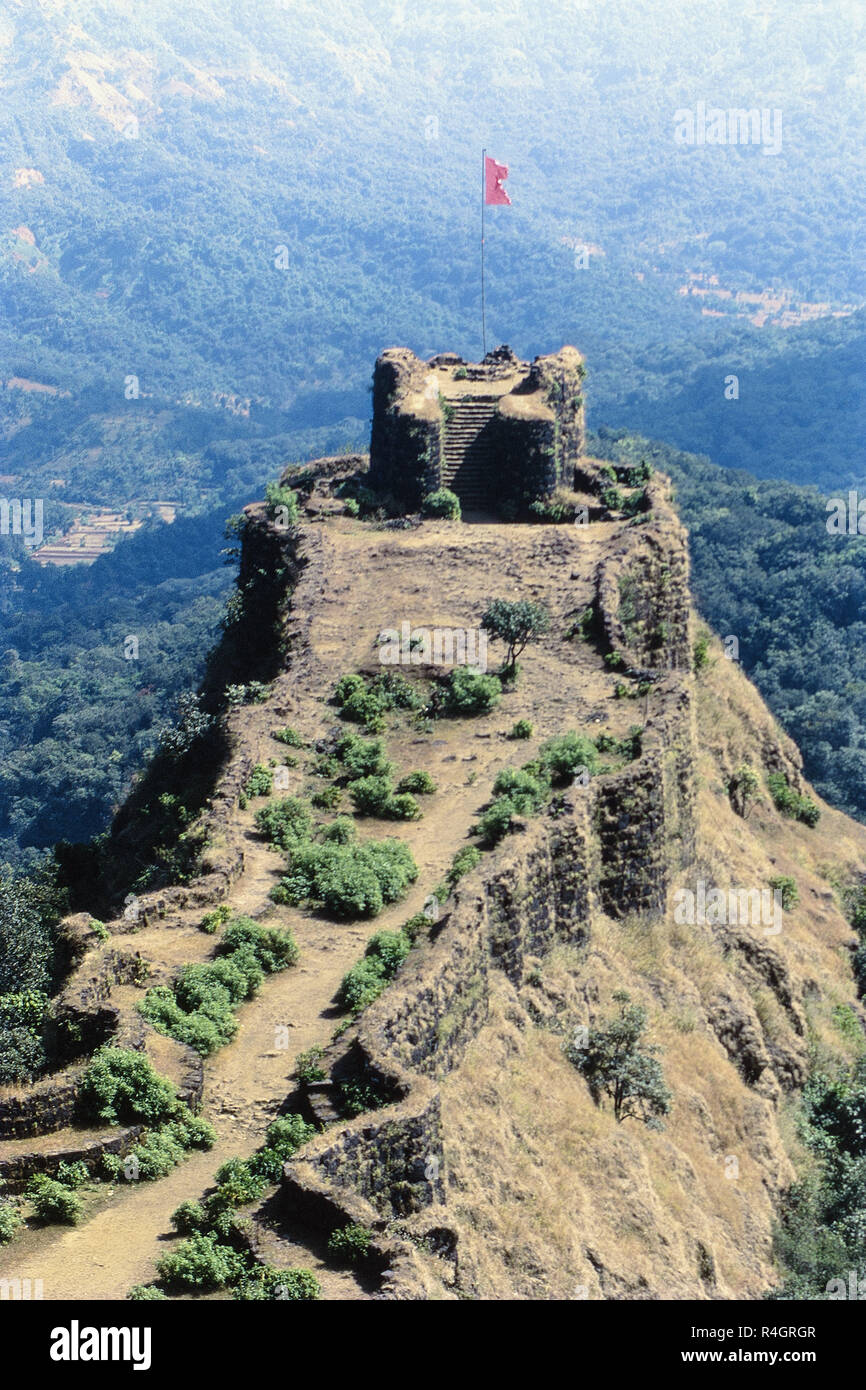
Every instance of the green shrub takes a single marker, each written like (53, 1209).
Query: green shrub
(421, 783)
(274, 948)
(363, 757)
(307, 1065)
(267, 1282)
(267, 1165)
(215, 918)
(402, 807)
(612, 498)
(496, 820)
(348, 686)
(238, 1184)
(9, 1222)
(582, 626)
(370, 795)
(328, 799)
(145, 1293)
(630, 746)
(522, 729)
(787, 888)
(73, 1174)
(441, 503)
(365, 709)
(701, 652)
(284, 1137)
(285, 823)
(415, 926)
(194, 1131)
(53, 1202)
(819, 1236)
(790, 802)
(358, 1095)
(220, 981)
(282, 503)
(162, 1149)
(527, 792)
(350, 1244)
(563, 756)
(390, 949)
(640, 473)
(393, 865)
(743, 786)
(561, 506)
(363, 983)
(636, 502)
(158, 1153)
(260, 781)
(374, 796)
(201, 1262)
(463, 862)
(204, 1031)
(367, 704)
(287, 1134)
(121, 1087)
(189, 1218)
(469, 692)
(394, 691)
(349, 880)
(289, 736)
(341, 831)
(199, 1009)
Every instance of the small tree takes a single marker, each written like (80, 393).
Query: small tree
(515, 623)
(742, 788)
(615, 1065)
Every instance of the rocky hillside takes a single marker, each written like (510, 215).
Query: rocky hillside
(444, 1115)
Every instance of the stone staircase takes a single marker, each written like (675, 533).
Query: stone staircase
(467, 456)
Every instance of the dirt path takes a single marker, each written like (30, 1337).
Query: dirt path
(245, 1085)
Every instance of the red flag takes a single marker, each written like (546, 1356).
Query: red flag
(494, 176)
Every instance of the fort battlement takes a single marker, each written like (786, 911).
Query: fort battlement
(500, 433)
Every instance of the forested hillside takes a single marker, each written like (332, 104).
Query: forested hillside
(304, 180)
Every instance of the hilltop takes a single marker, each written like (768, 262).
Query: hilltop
(445, 1118)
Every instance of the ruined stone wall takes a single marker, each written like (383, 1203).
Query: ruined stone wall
(16, 1172)
(642, 589)
(540, 431)
(41, 1108)
(405, 441)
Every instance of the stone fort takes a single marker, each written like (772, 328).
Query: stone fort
(500, 433)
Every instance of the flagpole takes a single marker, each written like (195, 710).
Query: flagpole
(483, 305)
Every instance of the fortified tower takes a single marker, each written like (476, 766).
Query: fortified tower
(497, 432)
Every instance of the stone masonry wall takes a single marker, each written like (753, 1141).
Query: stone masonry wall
(642, 589)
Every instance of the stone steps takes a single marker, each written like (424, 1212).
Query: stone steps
(466, 454)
